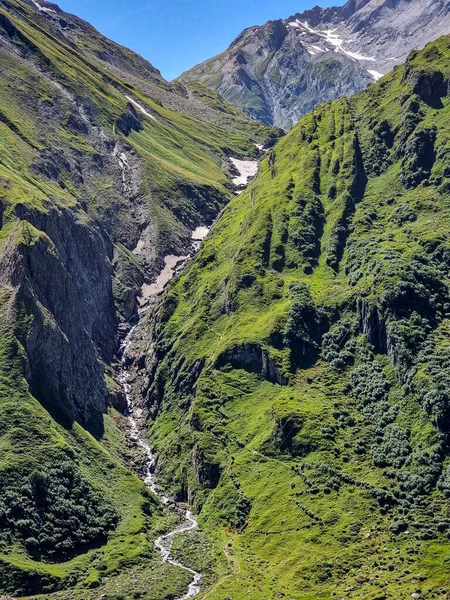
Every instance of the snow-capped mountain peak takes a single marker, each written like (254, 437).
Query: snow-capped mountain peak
(277, 72)
(329, 40)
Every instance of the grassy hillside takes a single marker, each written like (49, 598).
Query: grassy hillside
(298, 367)
(69, 510)
(99, 180)
(52, 94)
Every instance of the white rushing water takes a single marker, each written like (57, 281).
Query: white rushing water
(164, 543)
(150, 292)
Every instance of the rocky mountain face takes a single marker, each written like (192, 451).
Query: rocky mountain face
(105, 168)
(304, 352)
(104, 207)
(278, 72)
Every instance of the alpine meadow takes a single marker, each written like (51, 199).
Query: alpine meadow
(225, 346)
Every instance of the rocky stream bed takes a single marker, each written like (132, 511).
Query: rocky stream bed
(172, 265)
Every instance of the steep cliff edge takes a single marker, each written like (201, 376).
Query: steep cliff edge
(297, 386)
(60, 268)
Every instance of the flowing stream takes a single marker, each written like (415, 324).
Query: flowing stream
(149, 293)
(164, 543)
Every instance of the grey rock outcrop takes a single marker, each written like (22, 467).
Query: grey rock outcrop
(279, 71)
(254, 359)
(61, 273)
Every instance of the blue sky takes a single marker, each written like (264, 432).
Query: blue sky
(175, 35)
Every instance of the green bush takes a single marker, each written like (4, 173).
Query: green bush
(338, 345)
(304, 324)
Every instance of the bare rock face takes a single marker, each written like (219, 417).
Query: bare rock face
(207, 473)
(281, 70)
(254, 359)
(373, 326)
(430, 85)
(130, 121)
(61, 271)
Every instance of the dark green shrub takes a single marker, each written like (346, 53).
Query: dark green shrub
(398, 527)
(338, 346)
(303, 326)
(56, 513)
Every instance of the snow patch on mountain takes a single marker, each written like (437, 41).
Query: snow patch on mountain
(331, 38)
(357, 55)
(375, 74)
(44, 9)
(247, 170)
(140, 107)
(310, 50)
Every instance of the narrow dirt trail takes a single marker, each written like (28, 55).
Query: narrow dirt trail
(235, 565)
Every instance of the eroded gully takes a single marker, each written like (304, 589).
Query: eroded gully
(164, 543)
(149, 293)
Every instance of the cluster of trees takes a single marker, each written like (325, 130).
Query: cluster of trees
(338, 345)
(55, 513)
(304, 325)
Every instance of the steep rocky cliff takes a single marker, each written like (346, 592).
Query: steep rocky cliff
(61, 269)
(281, 70)
(303, 355)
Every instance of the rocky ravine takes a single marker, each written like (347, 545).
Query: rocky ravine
(134, 381)
(281, 70)
(163, 544)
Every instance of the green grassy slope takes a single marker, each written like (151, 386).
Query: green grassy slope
(71, 215)
(299, 365)
(64, 117)
(33, 443)
(172, 146)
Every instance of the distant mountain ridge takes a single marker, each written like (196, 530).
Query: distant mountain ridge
(279, 71)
